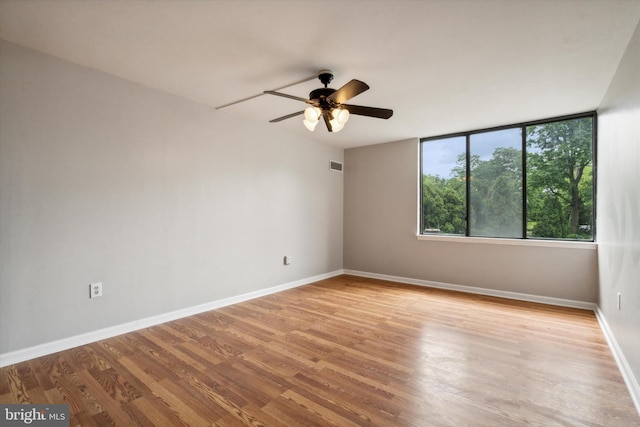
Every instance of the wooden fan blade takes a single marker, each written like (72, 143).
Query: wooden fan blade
(285, 95)
(326, 115)
(260, 94)
(348, 91)
(379, 113)
(288, 116)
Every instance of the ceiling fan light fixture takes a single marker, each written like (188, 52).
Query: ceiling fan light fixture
(312, 114)
(310, 125)
(311, 117)
(335, 126)
(339, 117)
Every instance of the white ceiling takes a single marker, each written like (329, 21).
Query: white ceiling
(442, 66)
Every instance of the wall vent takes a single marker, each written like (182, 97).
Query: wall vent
(335, 166)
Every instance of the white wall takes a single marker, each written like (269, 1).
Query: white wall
(380, 222)
(167, 202)
(619, 207)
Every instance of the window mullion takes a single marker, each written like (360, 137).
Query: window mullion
(421, 193)
(524, 182)
(468, 185)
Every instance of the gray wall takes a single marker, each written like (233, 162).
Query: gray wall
(167, 202)
(619, 205)
(380, 221)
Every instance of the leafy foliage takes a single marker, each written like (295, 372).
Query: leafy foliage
(559, 168)
(496, 195)
(443, 206)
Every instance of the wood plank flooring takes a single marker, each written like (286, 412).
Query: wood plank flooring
(346, 351)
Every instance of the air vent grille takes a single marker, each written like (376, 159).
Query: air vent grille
(335, 166)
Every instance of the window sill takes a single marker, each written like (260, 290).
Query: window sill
(572, 244)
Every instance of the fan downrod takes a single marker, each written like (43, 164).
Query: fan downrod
(320, 95)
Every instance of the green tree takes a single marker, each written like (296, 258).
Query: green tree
(495, 193)
(559, 165)
(443, 204)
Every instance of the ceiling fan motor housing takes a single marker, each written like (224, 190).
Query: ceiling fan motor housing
(321, 95)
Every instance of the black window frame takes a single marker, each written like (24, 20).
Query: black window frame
(522, 126)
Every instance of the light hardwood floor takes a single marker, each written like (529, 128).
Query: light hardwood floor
(345, 351)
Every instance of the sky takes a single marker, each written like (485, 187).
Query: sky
(439, 156)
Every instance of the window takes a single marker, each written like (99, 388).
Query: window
(532, 180)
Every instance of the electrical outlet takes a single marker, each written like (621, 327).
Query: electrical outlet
(619, 299)
(287, 260)
(95, 290)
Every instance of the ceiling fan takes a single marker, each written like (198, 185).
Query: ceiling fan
(329, 104)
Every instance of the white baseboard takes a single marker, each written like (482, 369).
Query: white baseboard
(627, 374)
(481, 291)
(66, 343)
